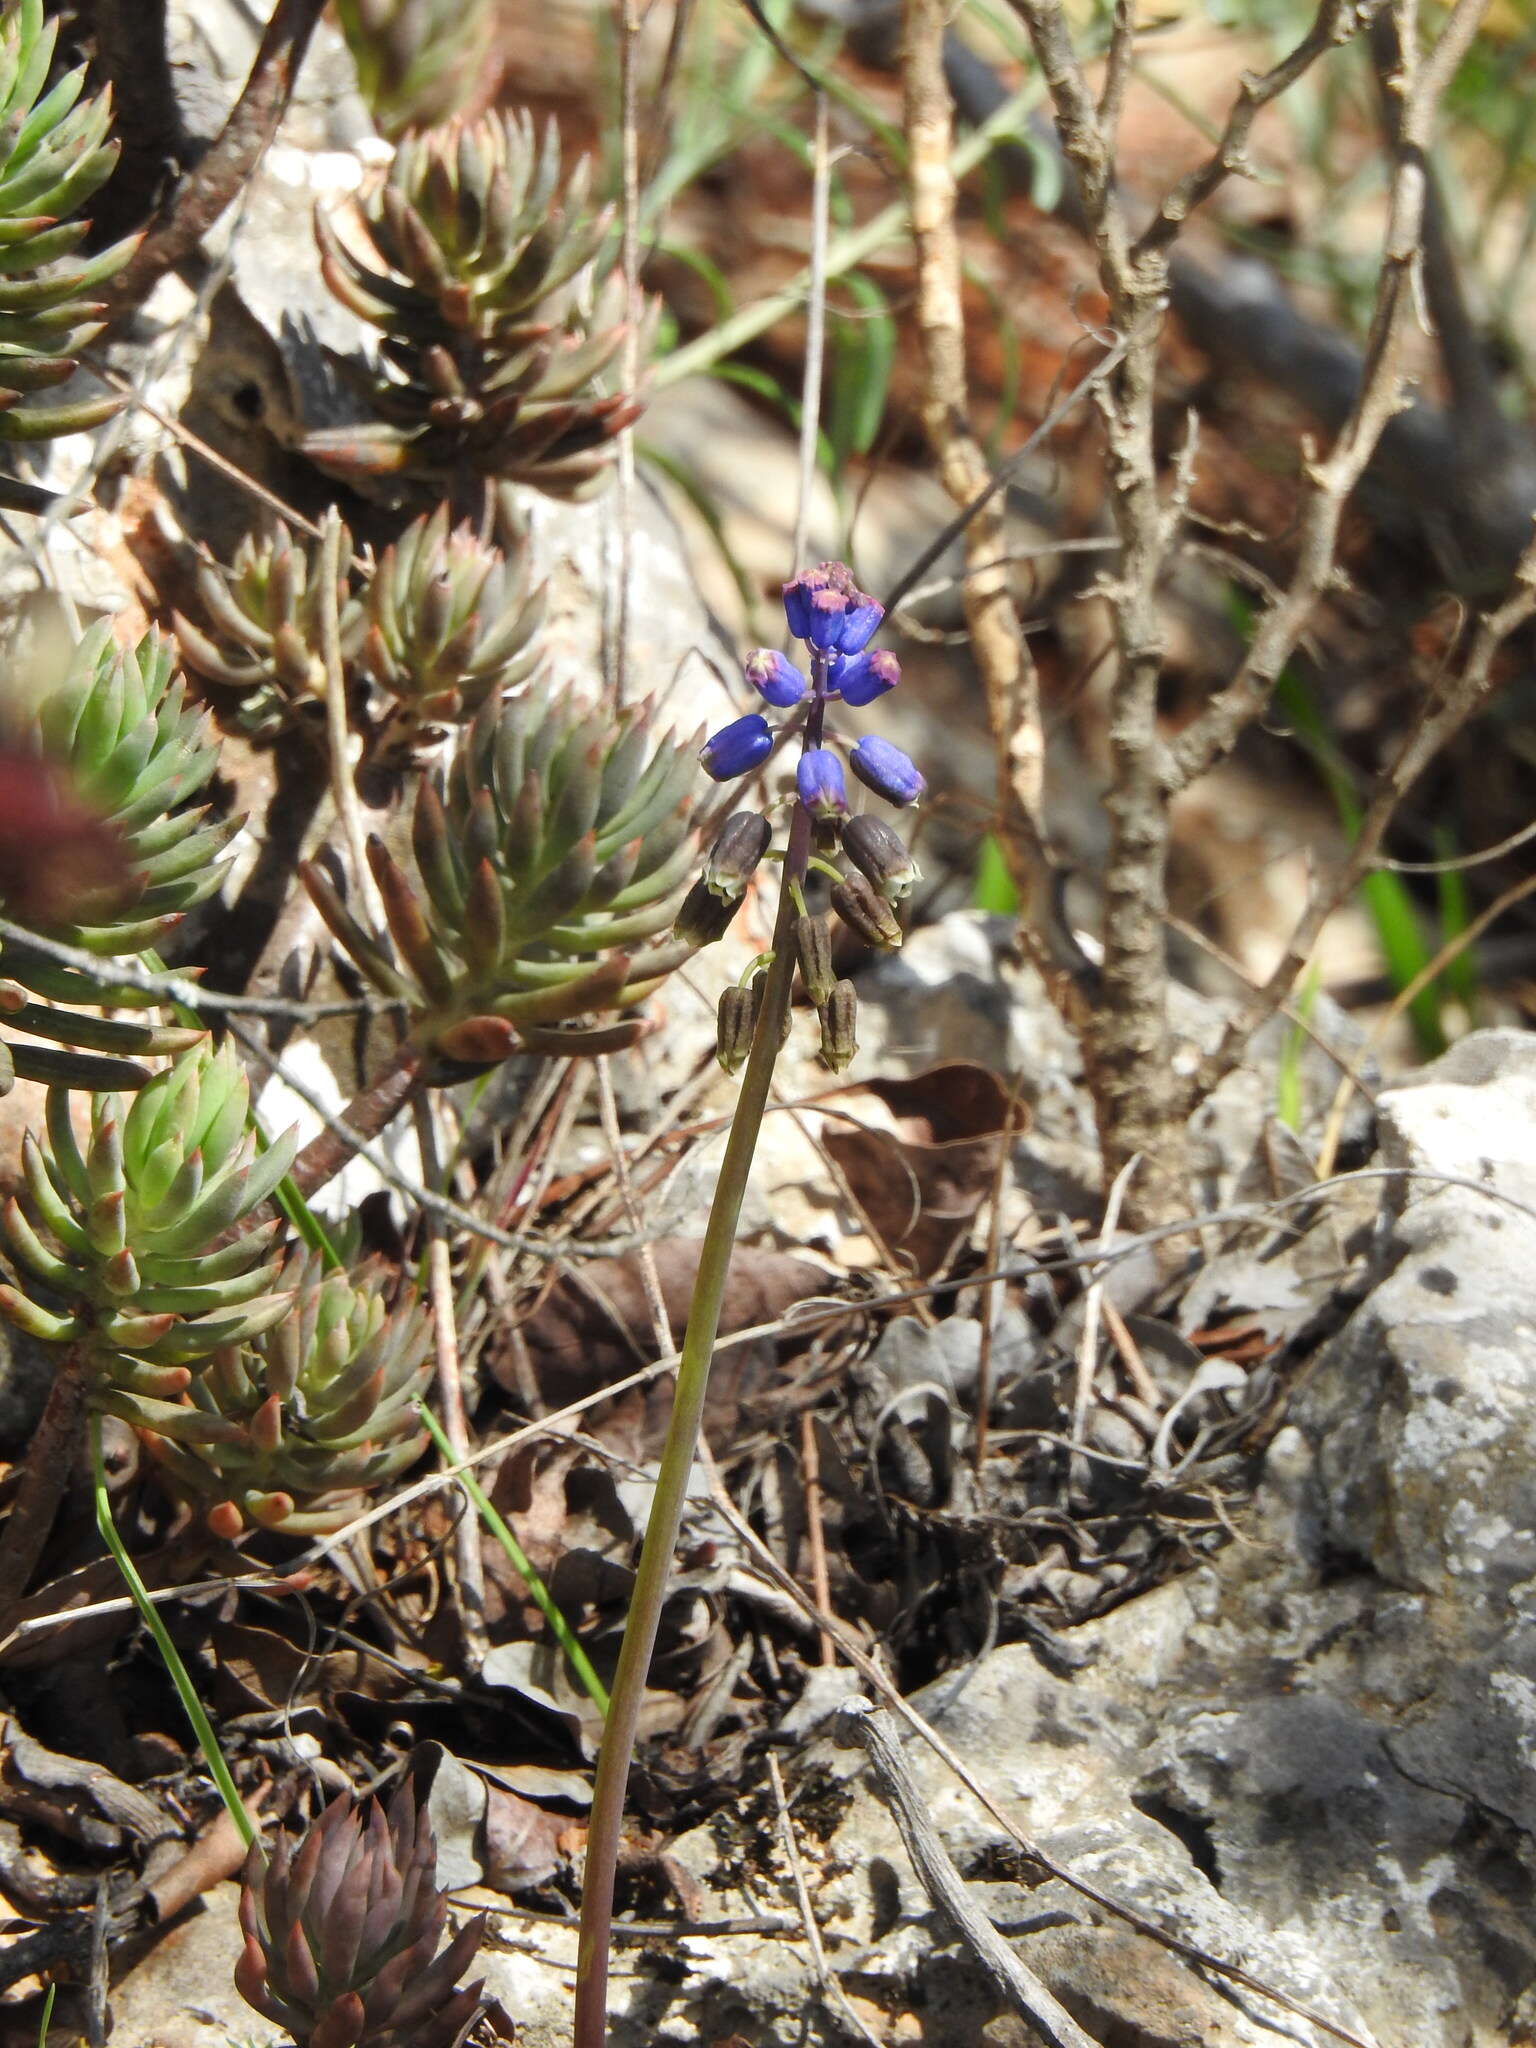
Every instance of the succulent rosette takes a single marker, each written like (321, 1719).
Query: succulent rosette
(323, 1406)
(145, 1246)
(342, 1933)
(117, 748)
(836, 621)
(265, 627)
(548, 861)
(449, 622)
(417, 60)
(501, 313)
(55, 151)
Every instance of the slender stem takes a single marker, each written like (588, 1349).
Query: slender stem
(815, 332)
(450, 1386)
(676, 1464)
(337, 731)
(519, 1560)
(846, 253)
(207, 1742)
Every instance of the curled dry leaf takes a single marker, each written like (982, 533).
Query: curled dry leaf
(923, 1187)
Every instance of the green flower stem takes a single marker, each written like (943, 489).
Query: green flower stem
(519, 1560)
(202, 1728)
(677, 1457)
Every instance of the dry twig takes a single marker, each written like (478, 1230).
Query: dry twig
(1002, 653)
(860, 1725)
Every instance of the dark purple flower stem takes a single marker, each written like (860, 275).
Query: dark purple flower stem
(623, 1718)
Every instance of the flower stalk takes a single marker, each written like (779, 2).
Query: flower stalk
(835, 620)
(676, 1463)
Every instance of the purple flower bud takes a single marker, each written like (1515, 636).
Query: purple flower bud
(886, 770)
(780, 682)
(826, 613)
(866, 677)
(737, 748)
(819, 778)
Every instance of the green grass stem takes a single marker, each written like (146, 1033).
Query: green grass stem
(518, 1558)
(181, 1678)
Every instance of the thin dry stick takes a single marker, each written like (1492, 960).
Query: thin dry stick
(1002, 653)
(810, 1470)
(825, 1976)
(629, 354)
(1136, 1372)
(468, 1556)
(337, 732)
(989, 1294)
(860, 1725)
(815, 328)
(1088, 1348)
(650, 1278)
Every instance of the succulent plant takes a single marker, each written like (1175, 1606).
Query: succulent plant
(450, 622)
(55, 151)
(264, 616)
(324, 1403)
(143, 1247)
(116, 743)
(555, 844)
(417, 60)
(341, 1934)
(121, 727)
(483, 279)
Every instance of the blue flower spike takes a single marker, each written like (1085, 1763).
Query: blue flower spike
(776, 680)
(870, 868)
(736, 749)
(886, 770)
(819, 779)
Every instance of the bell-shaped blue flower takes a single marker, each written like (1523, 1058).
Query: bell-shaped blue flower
(860, 619)
(819, 778)
(886, 770)
(736, 749)
(797, 599)
(777, 680)
(866, 677)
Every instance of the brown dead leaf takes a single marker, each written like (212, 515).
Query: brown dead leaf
(593, 1327)
(922, 1188)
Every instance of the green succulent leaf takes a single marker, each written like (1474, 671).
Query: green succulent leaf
(55, 152)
